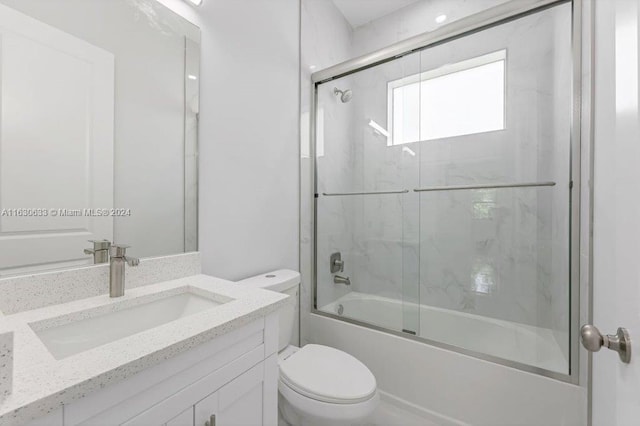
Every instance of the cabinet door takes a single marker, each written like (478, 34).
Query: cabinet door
(207, 410)
(183, 419)
(238, 403)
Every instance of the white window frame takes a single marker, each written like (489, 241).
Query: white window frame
(489, 58)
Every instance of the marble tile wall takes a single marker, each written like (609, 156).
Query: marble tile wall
(498, 253)
(325, 41)
(417, 18)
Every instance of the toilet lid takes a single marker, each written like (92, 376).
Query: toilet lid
(327, 374)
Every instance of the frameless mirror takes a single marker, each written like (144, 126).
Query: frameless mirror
(99, 112)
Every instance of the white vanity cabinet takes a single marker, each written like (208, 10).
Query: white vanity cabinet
(239, 402)
(231, 379)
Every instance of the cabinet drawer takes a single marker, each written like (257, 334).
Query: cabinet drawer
(51, 419)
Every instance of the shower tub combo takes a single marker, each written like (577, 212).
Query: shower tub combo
(445, 193)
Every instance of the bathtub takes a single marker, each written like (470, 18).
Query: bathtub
(512, 341)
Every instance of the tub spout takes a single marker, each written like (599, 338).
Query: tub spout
(337, 279)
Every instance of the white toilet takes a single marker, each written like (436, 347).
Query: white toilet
(318, 385)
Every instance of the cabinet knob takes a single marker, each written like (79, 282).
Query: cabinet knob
(211, 421)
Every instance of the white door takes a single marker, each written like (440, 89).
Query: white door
(616, 255)
(56, 144)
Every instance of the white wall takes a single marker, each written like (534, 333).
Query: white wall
(249, 138)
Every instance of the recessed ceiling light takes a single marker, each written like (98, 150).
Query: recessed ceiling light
(439, 19)
(192, 77)
(312, 67)
(194, 2)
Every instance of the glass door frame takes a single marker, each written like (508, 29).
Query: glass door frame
(489, 18)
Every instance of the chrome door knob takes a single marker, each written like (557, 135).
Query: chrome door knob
(593, 340)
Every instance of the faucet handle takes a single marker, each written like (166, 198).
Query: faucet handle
(131, 261)
(118, 250)
(100, 251)
(98, 245)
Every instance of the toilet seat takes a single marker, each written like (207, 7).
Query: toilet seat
(296, 407)
(327, 375)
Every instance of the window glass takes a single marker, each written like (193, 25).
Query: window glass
(459, 99)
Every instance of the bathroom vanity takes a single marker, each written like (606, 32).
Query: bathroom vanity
(230, 380)
(195, 350)
(110, 156)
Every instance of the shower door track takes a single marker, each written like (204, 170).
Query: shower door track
(489, 18)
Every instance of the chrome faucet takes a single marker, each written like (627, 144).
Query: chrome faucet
(116, 269)
(338, 279)
(100, 251)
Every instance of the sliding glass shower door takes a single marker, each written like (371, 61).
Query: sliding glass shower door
(365, 214)
(443, 185)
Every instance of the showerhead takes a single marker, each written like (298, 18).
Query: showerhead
(345, 95)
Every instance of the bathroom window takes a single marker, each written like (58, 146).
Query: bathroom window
(458, 99)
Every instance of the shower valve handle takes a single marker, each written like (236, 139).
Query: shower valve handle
(336, 264)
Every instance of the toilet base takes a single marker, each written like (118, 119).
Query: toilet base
(298, 410)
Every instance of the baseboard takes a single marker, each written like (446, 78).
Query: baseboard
(430, 415)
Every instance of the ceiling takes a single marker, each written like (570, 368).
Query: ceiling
(359, 12)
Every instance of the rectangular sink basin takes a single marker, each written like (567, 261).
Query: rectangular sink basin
(87, 333)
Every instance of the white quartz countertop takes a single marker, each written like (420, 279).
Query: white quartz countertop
(41, 384)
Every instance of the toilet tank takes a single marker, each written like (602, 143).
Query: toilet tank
(282, 281)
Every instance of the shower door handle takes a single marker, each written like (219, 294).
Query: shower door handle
(593, 340)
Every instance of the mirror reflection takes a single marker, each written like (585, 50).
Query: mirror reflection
(88, 88)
